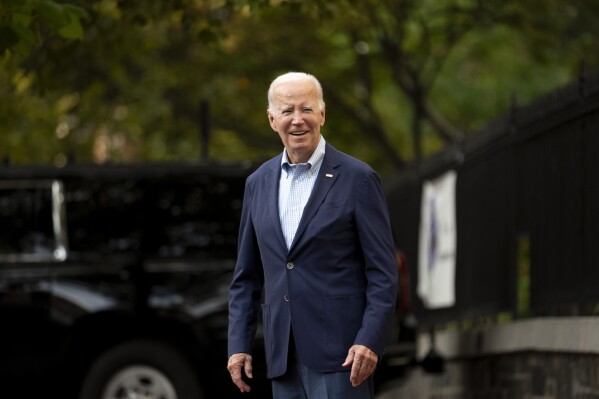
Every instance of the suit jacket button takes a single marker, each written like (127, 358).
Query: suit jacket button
(286, 297)
(290, 265)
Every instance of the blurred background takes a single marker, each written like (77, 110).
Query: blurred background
(127, 81)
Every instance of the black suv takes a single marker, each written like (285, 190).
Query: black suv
(113, 280)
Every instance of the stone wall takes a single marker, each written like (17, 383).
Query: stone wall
(526, 375)
(538, 358)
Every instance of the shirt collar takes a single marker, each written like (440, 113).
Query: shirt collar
(314, 161)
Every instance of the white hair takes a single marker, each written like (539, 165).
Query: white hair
(295, 77)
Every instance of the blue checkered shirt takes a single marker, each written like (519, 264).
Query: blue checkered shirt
(295, 186)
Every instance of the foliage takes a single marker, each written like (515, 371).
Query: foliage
(24, 23)
(123, 81)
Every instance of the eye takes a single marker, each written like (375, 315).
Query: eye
(286, 112)
(308, 110)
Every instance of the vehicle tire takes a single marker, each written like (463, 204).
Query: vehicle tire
(141, 369)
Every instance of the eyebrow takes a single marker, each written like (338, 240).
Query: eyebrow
(288, 106)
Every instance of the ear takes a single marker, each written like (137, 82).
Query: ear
(271, 120)
(322, 114)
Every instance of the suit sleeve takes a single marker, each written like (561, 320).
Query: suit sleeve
(246, 286)
(374, 231)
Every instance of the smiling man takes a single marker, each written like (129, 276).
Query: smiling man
(316, 253)
(296, 111)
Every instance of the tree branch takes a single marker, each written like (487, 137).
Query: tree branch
(407, 79)
(369, 125)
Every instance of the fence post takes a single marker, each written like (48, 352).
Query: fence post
(582, 78)
(513, 116)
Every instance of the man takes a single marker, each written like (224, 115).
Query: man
(315, 246)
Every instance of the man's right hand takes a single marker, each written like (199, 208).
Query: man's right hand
(237, 362)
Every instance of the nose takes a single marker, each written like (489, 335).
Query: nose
(298, 118)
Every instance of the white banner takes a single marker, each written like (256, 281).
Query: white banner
(437, 244)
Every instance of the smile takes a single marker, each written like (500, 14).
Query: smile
(297, 133)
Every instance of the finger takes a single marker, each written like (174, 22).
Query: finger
(357, 370)
(354, 376)
(349, 359)
(243, 387)
(360, 374)
(247, 368)
(238, 381)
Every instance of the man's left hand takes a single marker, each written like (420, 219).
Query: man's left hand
(363, 362)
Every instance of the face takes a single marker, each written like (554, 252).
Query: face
(297, 117)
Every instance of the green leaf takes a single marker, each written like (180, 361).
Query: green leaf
(22, 18)
(73, 30)
(52, 13)
(77, 11)
(25, 33)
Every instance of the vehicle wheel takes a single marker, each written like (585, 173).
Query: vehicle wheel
(141, 369)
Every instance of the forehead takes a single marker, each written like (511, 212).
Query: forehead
(300, 92)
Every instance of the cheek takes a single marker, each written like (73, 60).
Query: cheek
(280, 125)
(283, 138)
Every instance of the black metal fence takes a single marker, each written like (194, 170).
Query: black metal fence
(527, 211)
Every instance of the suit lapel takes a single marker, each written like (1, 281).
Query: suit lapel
(272, 186)
(327, 176)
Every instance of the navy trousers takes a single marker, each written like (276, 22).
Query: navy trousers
(299, 382)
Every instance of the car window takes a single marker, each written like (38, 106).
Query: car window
(31, 216)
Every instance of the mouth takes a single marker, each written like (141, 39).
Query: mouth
(298, 133)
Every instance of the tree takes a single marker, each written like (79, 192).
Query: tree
(409, 76)
(25, 24)
(415, 42)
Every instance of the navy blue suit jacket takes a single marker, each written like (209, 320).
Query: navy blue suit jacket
(336, 286)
